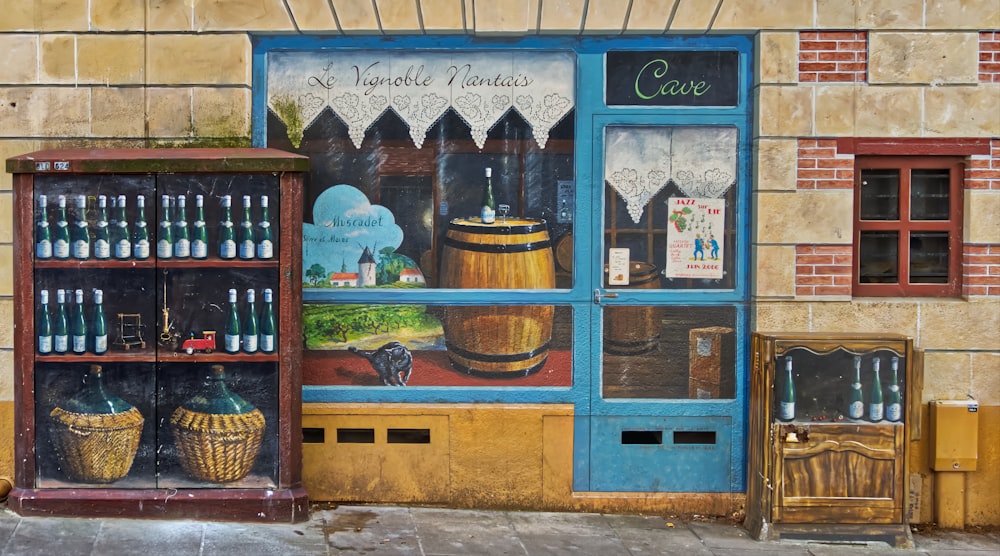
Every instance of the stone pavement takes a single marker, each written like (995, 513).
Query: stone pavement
(396, 531)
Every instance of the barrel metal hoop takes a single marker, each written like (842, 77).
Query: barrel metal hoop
(500, 229)
(498, 358)
(497, 248)
(499, 374)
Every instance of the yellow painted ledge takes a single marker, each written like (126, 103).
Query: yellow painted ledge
(502, 456)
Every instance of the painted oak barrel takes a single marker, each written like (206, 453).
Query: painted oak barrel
(505, 341)
(634, 330)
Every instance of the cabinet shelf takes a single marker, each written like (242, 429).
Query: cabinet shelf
(188, 440)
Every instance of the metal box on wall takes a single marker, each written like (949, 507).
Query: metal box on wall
(954, 435)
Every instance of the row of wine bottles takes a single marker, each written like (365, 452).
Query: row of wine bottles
(248, 333)
(70, 330)
(878, 407)
(116, 239)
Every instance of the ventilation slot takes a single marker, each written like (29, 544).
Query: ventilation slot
(313, 436)
(694, 437)
(356, 436)
(642, 437)
(408, 436)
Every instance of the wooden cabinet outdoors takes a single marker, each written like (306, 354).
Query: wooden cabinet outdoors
(162, 378)
(829, 423)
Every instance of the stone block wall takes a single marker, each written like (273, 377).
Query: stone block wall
(178, 72)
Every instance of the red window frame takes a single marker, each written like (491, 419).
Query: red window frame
(904, 226)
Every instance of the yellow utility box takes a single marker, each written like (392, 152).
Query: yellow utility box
(954, 435)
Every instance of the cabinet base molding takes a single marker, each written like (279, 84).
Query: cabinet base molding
(289, 505)
(894, 534)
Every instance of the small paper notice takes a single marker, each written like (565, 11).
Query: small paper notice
(618, 266)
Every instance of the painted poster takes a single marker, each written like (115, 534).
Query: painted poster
(694, 237)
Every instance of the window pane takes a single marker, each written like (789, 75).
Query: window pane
(929, 257)
(880, 194)
(929, 190)
(879, 257)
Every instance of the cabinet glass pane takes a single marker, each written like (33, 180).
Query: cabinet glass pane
(929, 257)
(879, 257)
(929, 195)
(433, 345)
(835, 386)
(880, 194)
(669, 352)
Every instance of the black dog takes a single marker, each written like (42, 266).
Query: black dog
(392, 362)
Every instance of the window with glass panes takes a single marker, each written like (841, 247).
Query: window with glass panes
(908, 226)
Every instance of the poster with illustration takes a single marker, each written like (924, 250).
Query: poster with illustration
(694, 237)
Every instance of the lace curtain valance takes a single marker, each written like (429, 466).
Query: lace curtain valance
(481, 87)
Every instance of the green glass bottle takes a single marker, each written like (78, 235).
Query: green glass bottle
(876, 407)
(856, 407)
(894, 411)
(249, 324)
(265, 243)
(140, 233)
(268, 325)
(488, 208)
(99, 326)
(78, 326)
(182, 242)
(786, 407)
(60, 241)
(246, 244)
(227, 235)
(80, 233)
(43, 233)
(60, 328)
(43, 330)
(232, 339)
(199, 239)
(102, 233)
(120, 237)
(165, 236)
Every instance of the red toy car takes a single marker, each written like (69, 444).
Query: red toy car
(206, 343)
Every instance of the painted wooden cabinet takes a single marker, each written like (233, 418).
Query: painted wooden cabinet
(829, 423)
(158, 350)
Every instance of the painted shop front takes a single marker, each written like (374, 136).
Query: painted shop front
(525, 266)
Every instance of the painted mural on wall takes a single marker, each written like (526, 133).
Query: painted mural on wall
(694, 236)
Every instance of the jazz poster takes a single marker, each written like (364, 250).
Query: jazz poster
(694, 237)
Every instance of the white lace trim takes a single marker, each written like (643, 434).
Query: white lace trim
(481, 87)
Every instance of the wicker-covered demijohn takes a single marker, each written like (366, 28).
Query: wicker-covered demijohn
(96, 436)
(218, 434)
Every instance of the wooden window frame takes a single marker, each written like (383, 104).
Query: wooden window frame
(904, 226)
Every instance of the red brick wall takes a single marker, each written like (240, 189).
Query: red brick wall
(833, 56)
(819, 166)
(981, 263)
(989, 56)
(823, 270)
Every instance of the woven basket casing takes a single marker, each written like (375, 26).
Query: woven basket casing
(217, 447)
(96, 447)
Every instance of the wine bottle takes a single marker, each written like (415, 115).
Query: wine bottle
(99, 326)
(786, 408)
(249, 324)
(894, 411)
(856, 409)
(232, 339)
(120, 237)
(44, 327)
(102, 235)
(140, 234)
(60, 336)
(43, 234)
(488, 210)
(60, 243)
(182, 243)
(80, 234)
(165, 236)
(246, 245)
(268, 326)
(265, 245)
(199, 240)
(876, 409)
(227, 235)
(78, 326)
